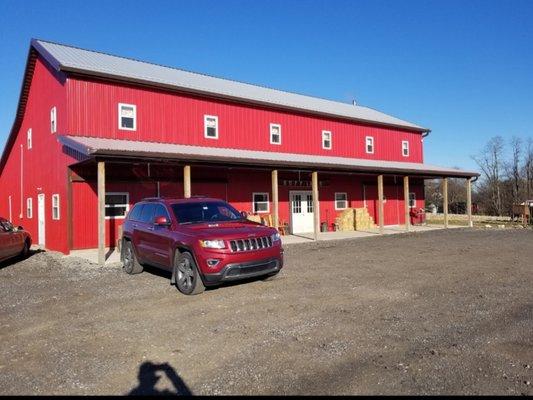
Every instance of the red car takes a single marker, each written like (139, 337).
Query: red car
(13, 241)
(202, 241)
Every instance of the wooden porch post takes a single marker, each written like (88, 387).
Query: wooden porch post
(316, 205)
(469, 201)
(275, 207)
(187, 181)
(381, 217)
(406, 201)
(101, 212)
(445, 201)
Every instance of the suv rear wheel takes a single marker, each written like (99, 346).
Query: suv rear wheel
(131, 264)
(188, 280)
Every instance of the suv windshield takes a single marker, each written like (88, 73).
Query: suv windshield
(205, 211)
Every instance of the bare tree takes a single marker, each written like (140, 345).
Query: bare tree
(528, 168)
(513, 169)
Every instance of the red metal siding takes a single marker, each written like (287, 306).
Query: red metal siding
(178, 118)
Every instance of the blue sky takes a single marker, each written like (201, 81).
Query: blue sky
(462, 68)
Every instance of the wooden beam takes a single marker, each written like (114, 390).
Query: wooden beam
(381, 216)
(445, 200)
(406, 201)
(316, 205)
(275, 204)
(469, 201)
(187, 181)
(101, 212)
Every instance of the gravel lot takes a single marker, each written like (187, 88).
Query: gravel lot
(441, 312)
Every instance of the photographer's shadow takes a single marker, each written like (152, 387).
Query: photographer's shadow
(148, 379)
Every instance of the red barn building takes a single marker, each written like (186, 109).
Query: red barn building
(95, 133)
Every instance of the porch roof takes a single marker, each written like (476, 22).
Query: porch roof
(92, 147)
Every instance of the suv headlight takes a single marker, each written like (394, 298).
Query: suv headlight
(275, 237)
(212, 244)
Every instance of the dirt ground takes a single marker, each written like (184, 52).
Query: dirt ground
(441, 312)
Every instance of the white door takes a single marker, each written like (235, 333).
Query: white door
(301, 212)
(40, 218)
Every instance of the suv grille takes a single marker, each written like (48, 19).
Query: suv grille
(251, 244)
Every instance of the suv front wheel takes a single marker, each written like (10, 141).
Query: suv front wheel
(187, 278)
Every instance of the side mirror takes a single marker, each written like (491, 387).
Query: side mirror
(161, 221)
(244, 214)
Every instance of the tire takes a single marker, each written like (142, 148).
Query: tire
(26, 250)
(270, 277)
(187, 278)
(130, 263)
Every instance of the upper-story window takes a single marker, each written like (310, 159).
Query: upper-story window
(369, 144)
(211, 127)
(53, 120)
(275, 134)
(326, 140)
(127, 117)
(405, 148)
(29, 143)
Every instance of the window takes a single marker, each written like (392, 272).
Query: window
(211, 127)
(326, 140)
(275, 134)
(405, 148)
(369, 144)
(135, 213)
(53, 120)
(147, 213)
(29, 208)
(127, 117)
(117, 204)
(341, 201)
(205, 211)
(29, 139)
(260, 203)
(412, 200)
(55, 206)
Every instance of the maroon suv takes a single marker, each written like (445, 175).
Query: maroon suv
(202, 241)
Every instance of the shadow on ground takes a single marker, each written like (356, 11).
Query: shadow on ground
(150, 374)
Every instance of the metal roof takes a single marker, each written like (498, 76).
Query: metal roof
(68, 58)
(91, 146)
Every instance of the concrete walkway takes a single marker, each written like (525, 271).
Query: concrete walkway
(113, 256)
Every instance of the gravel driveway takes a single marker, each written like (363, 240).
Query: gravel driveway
(441, 312)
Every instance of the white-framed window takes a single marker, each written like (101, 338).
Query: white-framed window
(117, 205)
(341, 201)
(53, 120)
(29, 208)
(210, 126)
(326, 140)
(29, 143)
(127, 117)
(261, 203)
(275, 134)
(369, 145)
(55, 206)
(405, 148)
(412, 200)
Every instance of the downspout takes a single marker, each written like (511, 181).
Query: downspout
(21, 179)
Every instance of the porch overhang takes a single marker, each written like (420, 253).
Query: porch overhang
(117, 148)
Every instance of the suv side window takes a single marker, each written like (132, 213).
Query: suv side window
(147, 213)
(135, 213)
(161, 211)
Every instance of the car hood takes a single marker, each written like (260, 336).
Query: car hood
(227, 230)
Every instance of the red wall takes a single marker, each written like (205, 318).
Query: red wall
(176, 118)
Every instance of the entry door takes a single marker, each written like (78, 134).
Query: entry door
(40, 218)
(301, 212)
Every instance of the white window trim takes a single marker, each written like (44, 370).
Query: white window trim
(120, 127)
(53, 120)
(414, 198)
(206, 117)
(54, 197)
(272, 133)
(29, 139)
(330, 140)
(267, 201)
(127, 204)
(366, 144)
(406, 144)
(346, 200)
(29, 208)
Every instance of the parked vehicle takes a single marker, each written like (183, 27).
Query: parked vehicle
(202, 241)
(13, 241)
